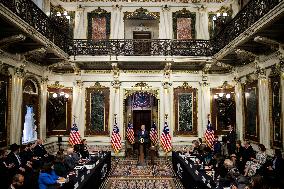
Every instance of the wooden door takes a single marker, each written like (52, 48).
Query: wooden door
(142, 47)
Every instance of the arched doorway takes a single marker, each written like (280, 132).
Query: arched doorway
(141, 107)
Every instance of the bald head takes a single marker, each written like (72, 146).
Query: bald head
(143, 127)
(70, 151)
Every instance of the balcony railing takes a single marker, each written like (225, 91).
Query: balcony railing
(250, 14)
(53, 29)
(56, 32)
(142, 47)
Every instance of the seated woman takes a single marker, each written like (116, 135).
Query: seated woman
(47, 177)
(255, 163)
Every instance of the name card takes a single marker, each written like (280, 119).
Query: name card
(82, 178)
(88, 172)
(203, 179)
(186, 161)
(208, 185)
(190, 165)
(76, 185)
(97, 162)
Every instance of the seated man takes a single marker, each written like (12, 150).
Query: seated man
(39, 150)
(69, 161)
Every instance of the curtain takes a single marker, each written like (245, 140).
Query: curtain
(264, 112)
(201, 25)
(16, 109)
(80, 29)
(165, 27)
(239, 111)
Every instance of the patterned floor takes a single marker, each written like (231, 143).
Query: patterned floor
(125, 174)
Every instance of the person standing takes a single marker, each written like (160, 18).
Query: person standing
(143, 139)
(231, 140)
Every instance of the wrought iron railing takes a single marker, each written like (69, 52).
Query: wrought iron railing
(56, 32)
(52, 28)
(142, 47)
(252, 12)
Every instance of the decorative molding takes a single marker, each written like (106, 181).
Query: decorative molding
(97, 71)
(142, 85)
(185, 85)
(20, 71)
(141, 14)
(116, 84)
(44, 80)
(142, 71)
(56, 85)
(97, 85)
(79, 83)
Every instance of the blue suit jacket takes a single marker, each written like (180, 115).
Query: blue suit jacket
(145, 136)
(47, 179)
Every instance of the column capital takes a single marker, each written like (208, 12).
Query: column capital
(44, 80)
(79, 84)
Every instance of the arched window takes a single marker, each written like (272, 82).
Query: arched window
(30, 110)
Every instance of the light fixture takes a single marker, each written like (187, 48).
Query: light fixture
(66, 95)
(62, 94)
(54, 95)
(214, 18)
(58, 14)
(228, 95)
(221, 94)
(218, 14)
(247, 94)
(225, 14)
(65, 13)
(215, 96)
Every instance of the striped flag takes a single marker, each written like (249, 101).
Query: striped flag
(209, 135)
(75, 137)
(130, 133)
(154, 134)
(166, 139)
(115, 139)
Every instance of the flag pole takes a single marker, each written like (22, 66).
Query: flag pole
(166, 120)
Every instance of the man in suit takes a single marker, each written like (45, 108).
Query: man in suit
(69, 161)
(231, 140)
(39, 149)
(14, 158)
(143, 139)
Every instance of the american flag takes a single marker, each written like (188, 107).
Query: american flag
(115, 139)
(154, 134)
(166, 139)
(209, 135)
(75, 137)
(130, 133)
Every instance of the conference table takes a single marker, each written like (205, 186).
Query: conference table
(90, 178)
(190, 174)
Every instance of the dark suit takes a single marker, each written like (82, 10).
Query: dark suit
(231, 138)
(145, 136)
(12, 158)
(39, 151)
(70, 162)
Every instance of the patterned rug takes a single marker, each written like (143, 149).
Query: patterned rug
(125, 174)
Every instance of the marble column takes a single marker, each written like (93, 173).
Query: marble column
(263, 106)
(239, 111)
(205, 108)
(81, 22)
(16, 104)
(42, 101)
(165, 26)
(78, 110)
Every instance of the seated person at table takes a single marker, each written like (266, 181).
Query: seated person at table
(84, 149)
(39, 149)
(76, 152)
(47, 177)
(69, 161)
(17, 182)
(59, 166)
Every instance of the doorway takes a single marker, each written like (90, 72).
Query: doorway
(142, 47)
(141, 117)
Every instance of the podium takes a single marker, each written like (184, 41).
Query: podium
(141, 159)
